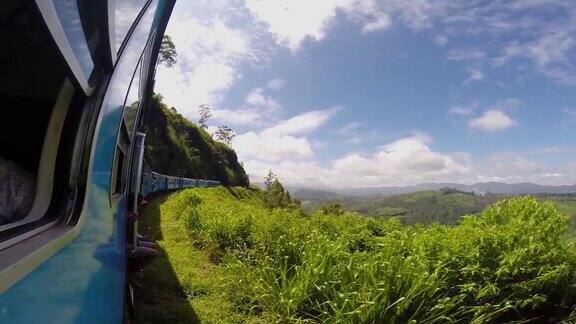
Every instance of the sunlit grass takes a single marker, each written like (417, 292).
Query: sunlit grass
(182, 285)
(513, 262)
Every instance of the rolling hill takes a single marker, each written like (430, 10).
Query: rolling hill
(445, 206)
(480, 187)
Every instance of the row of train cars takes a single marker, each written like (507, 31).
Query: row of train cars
(153, 182)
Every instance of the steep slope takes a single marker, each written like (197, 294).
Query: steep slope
(174, 145)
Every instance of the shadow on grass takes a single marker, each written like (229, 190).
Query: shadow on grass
(160, 298)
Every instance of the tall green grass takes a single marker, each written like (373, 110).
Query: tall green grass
(511, 263)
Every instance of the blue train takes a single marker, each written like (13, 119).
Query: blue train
(153, 182)
(74, 77)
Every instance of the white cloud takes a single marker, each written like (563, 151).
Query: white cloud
(463, 110)
(262, 147)
(237, 117)
(507, 104)
(458, 55)
(302, 124)
(569, 111)
(209, 51)
(258, 108)
(516, 30)
(514, 167)
(275, 84)
(285, 140)
(440, 40)
(492, 121)
(381, 22)
(292, 172)
(404, 161)
(548, 49)
(407, 161)
(351, 133)
(257, 98)
(291, 22)
(551, 48)
(474, 74)
(417, 14)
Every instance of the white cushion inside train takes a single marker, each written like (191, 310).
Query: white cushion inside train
(47, 165)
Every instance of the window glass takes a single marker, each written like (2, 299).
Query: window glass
(119, 170)
(136, 92)
(125, 12)
(67, 11)
(132, 101)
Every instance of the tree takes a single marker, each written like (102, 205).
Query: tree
(225, 134)
(205, 114)
(276, 196)
(167, 54)
(270, 177)
(332, 209)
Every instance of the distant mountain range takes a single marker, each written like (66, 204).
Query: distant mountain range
(318, 195)
(481, 187)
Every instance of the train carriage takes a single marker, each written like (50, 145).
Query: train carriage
(75, 76)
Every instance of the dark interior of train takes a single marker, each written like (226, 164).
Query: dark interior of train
(26, 101)
(32, 72)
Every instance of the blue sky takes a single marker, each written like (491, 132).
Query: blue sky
(361, 93)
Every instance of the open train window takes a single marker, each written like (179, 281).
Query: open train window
(37, 98)
(125, 135)
(118, 171)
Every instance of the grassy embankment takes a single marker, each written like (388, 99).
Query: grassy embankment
(225, 258)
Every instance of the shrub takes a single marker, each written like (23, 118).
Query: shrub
(511, 262)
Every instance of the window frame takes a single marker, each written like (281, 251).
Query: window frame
(52, 21)
(114, 50)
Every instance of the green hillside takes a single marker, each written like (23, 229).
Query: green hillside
(566, 205)
(444, 206)
(227, 258)
(175, 145)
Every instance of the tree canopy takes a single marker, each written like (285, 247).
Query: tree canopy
(167, 55)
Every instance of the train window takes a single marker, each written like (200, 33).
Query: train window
(63, 20)
(118, 171)
(119, 166)
(122, 14)
(133, 101)
(35, 97)
(69, 17)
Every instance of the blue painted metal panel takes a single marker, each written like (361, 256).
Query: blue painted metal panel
(84, 282)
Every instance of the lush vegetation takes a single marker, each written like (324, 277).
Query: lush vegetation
(182, 285)
(275, 196)
(445, 206)
(176, 146)
(511, 262)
